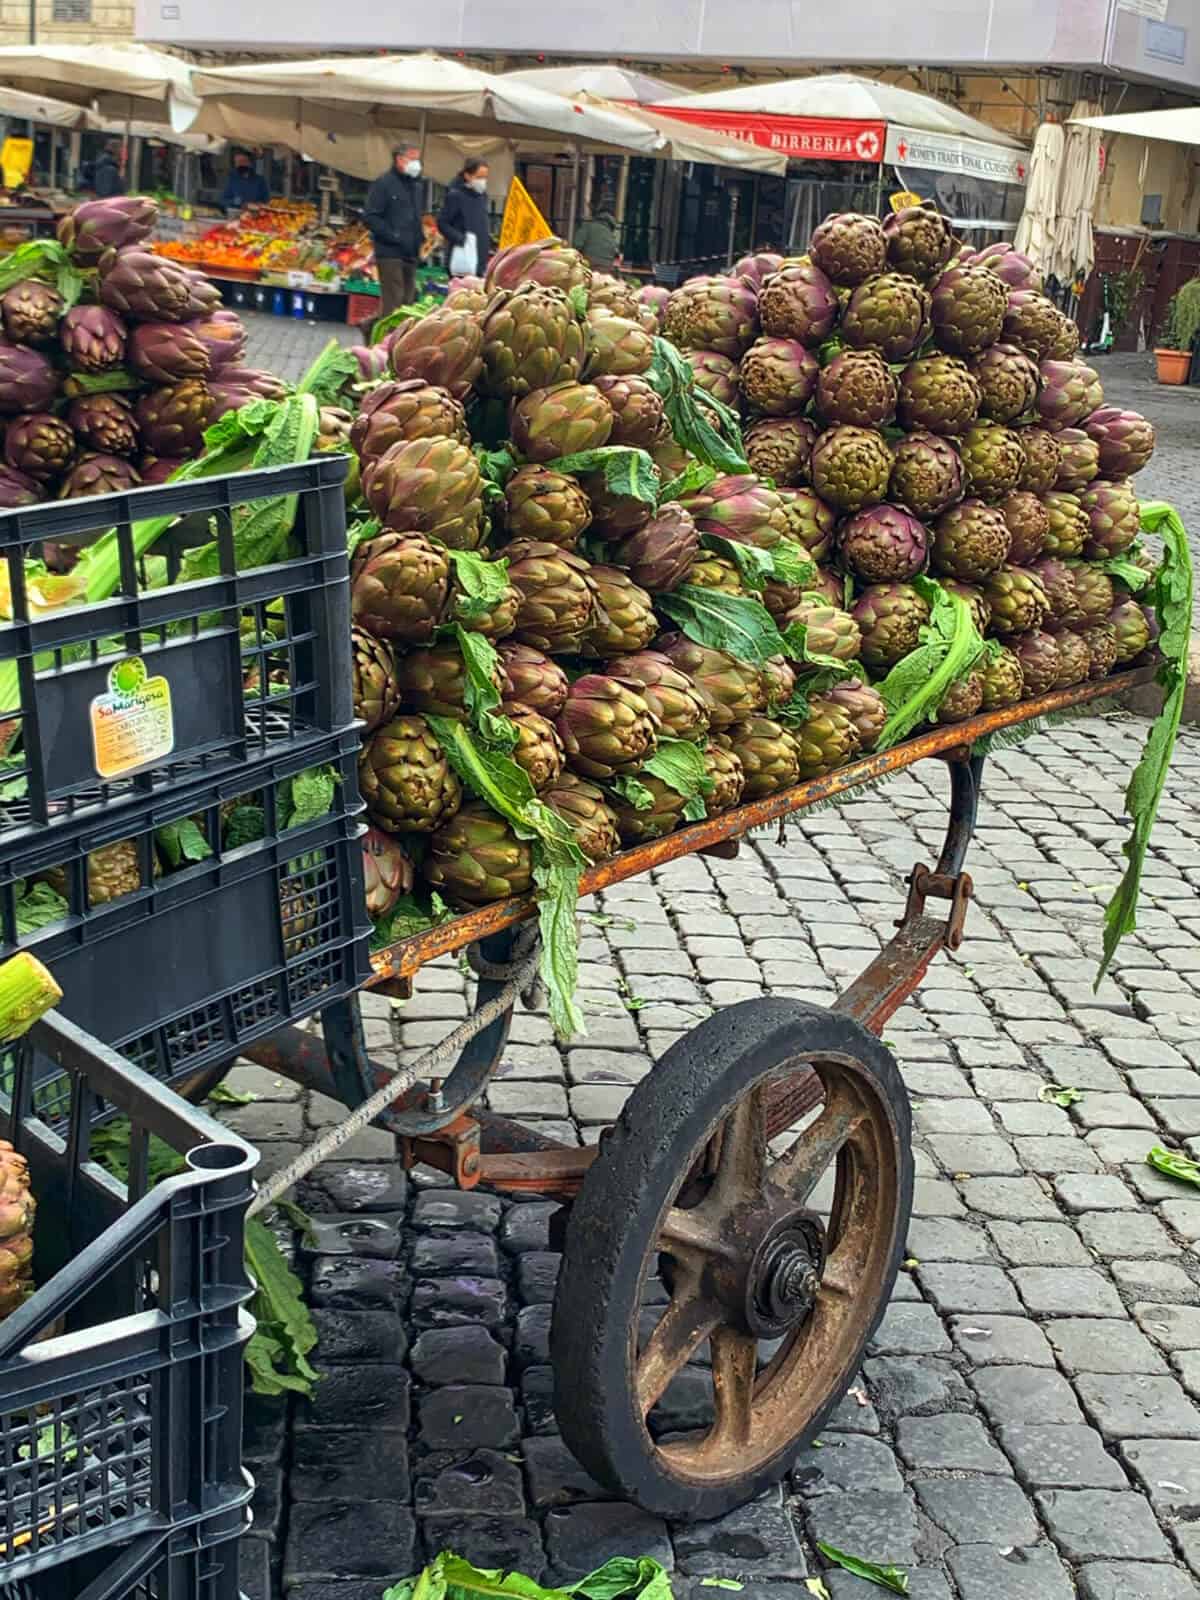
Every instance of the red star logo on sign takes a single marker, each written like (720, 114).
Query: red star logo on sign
(1021, 170)
(902, 150)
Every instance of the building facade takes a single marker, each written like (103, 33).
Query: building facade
(65, 21)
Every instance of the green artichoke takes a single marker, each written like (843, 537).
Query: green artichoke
(779, 680)
(623, 620)
(826, 739)
(430, 486)
(919, 242)
(719, 314)
(1008, 382)
(715, 374)
(888, 313)
(1041, 451)
(476, 858)
(639, 420)
(724, 769)
(1069, 524)
(733, 690)
(1103, 649)
(927, 473)
(551, 262)
(970, 541)
(1114, 518)
(1028, 524)
(780, 447)
(992, 460)
(663, 816)
(798, 302)
(865, 707)
(829, 631)
(406, 781)
(1132, 631)
(561, 420)
(1032, 322)
(538, 749)
(969, 304)
(1002, 679)
(531, 679)
(399, 584)
(659, 555)
(850, 467)
(496, 622)
(849, 248)
(434, 681)
(616, 346)
(376, 690)
(613, 294)
(715, 572)
(1094, 594)
(890, 617)
(809, 522)
(531, 340)
(778, 376)
(939, 393)
(961, 700)
(1079, 460)
(443, 349)
(396, 413)
(1070, 391)
(606, 727)
(857, 389)
(1018, 601)
(770, 756)
(1074, 659)
(587, 813)
(546, 507)
(680, 710)
(973, 595)
(558, 606)
(1066, 341)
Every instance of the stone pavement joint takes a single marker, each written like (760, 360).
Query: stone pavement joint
(1027, 1421)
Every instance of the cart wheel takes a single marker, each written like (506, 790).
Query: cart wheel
(197, 1088)
(686, 1187)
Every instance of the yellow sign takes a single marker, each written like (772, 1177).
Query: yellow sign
(132, 724)
(523, 222)
(905, 198)
(16, 158)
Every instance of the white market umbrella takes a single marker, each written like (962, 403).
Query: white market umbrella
(1181, 124)
(1074, 251)
(1038, 227)
(123, 80)
(41, 108)
(599, 78)
(849, 95)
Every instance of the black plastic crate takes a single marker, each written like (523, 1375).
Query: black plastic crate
(121, 1377)
(244, 665)
(190, 965)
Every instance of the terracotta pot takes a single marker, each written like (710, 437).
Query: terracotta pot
(1173, 365)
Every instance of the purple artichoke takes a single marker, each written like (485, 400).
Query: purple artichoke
(800, 303)
(204, 298)
(27, 380)
(1078, 461)
(780, 447)
(778, 376)
(223, 335)
(714, 373)
(17, 491)
(104, 422)
(1071, 390)
(147, 288)
(98, 474)
(93, 338)
(659, 555)
(172, 420)
(372, 361)
(1125, 438)
(654, 297)
(39, 445)
(551, 262)
(31, 311)
(721, 315)
(98, 226)
(1114, 518)
(740, 508)
(754, 270)
(158, 469)
(234, 387)
(927, 473)
(1009, 265)
(884, 544)
(165, 352)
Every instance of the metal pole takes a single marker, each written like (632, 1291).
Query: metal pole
(573, 212)
(879, 190)
(33, 39)
(733, 211)
(53, 174)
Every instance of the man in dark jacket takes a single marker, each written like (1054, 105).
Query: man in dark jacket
(107, 179)
(244, 186)
(465, 223)
(393, 217)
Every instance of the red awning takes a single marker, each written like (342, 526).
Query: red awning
(800, 138)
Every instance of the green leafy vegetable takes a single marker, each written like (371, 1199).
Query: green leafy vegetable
(222, 1095)
(481, 583)
(277, 1354)
(1129, 573)
(359, 532)
(783, 564)
(246, 824)
(331, 374)
(627, 471)
(480, 693)
(1174, 1165)
(1172, 598)
(887, 1577)
(38, 906)
(118, 381)
(1059, 1094)
(685, 405)
(949, 647)
(405, 918)
(695, 476)
(449, 1577)
(721, 1583)
(680, 765)
(110, 1147)
(52, 1440)
(307, 797)
(410, 313)
(182, 841)
(634, 793)
(740, 626)
(45, 259)
(495, 466)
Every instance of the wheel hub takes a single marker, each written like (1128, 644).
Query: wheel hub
(784, 1276)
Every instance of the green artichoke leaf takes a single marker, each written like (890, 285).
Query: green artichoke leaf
(740, 626)
(307, 797)
(633, 792)
(558, 862)
(884, 1576)
(1128, 572)
(37, 906)
(331, 375)
(117, 382)
(359, 532)
(1174, 1164)
(578, 296)
(757, 567)
(410, 313)
(181, 842)
(949, 647)
(248, 422)
(680, 765)
(46, 259)
(627, 470)
(496, 467)
(481, 695)
(673, 380)
(277, 1354)
(481, 583)
(408, 916)
(1172, 599)
(449, 1577)
(695, 476)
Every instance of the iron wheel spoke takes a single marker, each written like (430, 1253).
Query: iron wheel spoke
(690, 1232)
(734, 1371)
(742, 1159)
(687, 1322)
(804, 1163)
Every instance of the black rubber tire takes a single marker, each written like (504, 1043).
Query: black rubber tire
(197, 1088)
(617, 1214)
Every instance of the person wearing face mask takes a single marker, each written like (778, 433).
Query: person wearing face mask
(244, 187)
(393, 217)
(464, 221)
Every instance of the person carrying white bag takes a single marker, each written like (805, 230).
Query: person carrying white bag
(464, 221)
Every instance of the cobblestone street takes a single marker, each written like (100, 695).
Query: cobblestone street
(1027, 1422)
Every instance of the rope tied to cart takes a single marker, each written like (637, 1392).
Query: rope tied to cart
(521, 980)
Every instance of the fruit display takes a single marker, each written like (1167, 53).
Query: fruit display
(277, 237)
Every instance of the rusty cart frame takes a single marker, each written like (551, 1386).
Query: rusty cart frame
(693, 1230)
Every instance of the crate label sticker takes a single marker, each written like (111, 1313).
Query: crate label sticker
(132, 724)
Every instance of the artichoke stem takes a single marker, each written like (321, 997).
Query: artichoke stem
(27, 991)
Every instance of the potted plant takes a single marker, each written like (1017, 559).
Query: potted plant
(1173, 354)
